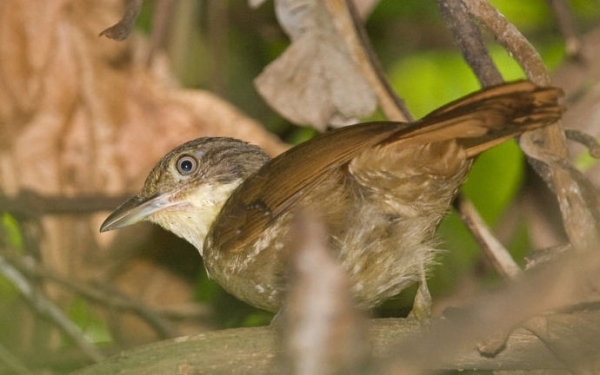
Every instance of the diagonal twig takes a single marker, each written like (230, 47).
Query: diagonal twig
(47, 308)
(499, 257)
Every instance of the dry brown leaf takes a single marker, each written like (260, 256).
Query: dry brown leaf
(81, 114)
(314, 81)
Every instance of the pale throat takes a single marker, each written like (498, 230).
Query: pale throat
(193, 218)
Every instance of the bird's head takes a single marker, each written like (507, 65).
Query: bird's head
(187, 188)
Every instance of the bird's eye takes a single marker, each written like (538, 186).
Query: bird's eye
(187, 165)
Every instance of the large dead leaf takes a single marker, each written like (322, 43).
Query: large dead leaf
(81, 114)
(314, 81)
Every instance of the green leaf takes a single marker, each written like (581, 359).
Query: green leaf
(10, 228)
(495, 179)
(88, 320)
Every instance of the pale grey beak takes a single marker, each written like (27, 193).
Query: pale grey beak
(135, 210)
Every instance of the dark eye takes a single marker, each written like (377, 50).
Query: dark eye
(186, 165)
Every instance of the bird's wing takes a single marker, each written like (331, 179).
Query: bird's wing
(280, 184)
(486, 118)
(478, 121)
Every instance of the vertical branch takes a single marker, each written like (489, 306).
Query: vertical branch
(469, 40)
(577, 198)
(511, 39)
(322, 331)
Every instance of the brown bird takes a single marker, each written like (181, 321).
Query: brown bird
(381, 189)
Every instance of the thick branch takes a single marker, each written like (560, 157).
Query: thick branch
(31, 204)
(254, 351)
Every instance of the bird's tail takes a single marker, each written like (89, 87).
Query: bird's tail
(489, 117)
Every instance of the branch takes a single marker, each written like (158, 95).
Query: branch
(254, 351)
(577, 199)
(31, 204)
(499, 257)
(112, 298)
(13, 363)
(406, 347)
(469, 40)
(47, 308)
(586, 140)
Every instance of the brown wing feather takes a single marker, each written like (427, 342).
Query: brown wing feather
(487, 118)
(506, 89)
(278, 185)
(479, 121)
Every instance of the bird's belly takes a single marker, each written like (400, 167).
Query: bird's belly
(383, 252)
(379, 258)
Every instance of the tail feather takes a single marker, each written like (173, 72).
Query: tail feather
(519, 92)
(489, 117)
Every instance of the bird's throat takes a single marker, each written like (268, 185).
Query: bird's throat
(193, 219)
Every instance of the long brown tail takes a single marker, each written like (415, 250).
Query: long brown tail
(490, 116)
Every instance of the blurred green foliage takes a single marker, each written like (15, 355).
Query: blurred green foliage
(92, 325)
(11, 235)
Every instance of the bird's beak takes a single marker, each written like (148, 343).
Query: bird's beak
(135, 210)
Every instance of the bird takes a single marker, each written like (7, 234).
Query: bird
(379, 188)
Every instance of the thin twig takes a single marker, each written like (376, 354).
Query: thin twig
(349, 25)
(14, 364)
(30, 204)
(580, 218)
(217, 33)
(586, 140)
(496, 253)
(470, 41)
(511, 39)
(47, 308)
(110, 298)
(468, 37)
